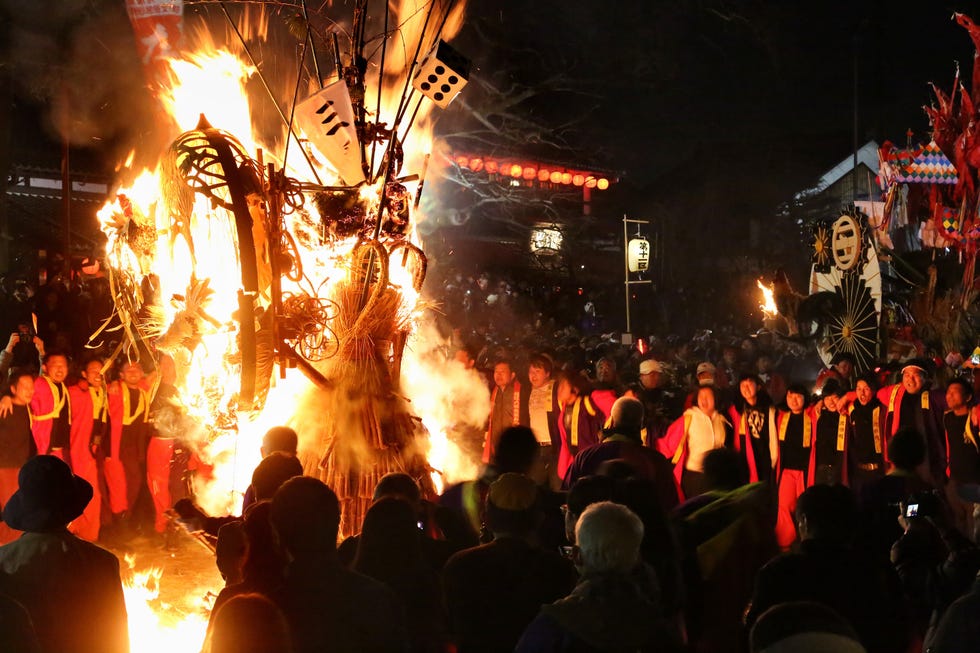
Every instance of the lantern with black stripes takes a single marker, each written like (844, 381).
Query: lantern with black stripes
(442, 74)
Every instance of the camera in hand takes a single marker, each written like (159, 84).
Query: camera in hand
(25, 334)
(922, 504)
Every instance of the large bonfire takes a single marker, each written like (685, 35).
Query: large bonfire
(279, 269)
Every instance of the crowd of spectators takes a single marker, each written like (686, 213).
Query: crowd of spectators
(714, 493)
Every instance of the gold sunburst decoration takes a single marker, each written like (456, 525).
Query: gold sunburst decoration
(821, 255)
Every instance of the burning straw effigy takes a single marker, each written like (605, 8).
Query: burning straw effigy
(243, 265)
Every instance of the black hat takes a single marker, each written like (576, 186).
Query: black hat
(49, 496)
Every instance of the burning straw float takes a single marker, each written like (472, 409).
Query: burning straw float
(284, 280)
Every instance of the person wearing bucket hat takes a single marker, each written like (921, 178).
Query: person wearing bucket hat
(912, 403)
(71, 588)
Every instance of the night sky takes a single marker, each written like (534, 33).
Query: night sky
(659, 82)
(638, 89)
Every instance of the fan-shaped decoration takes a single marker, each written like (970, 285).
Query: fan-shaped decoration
(854, 329)
(820, 255)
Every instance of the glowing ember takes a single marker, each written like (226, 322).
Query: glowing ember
(768, 305)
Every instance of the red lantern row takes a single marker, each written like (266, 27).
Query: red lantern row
(532, 171)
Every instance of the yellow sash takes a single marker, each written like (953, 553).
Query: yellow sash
(924, 399)
(841, 431)
(576, 408)
(99, 406)
(807, 429)
(59, 401)
(142, 406)
(876, 428)
(968, 435)
(679, 451)
(875, 425)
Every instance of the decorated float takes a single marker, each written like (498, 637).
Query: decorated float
(902, 270)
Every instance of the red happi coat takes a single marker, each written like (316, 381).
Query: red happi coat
(744, 446)
(519, 416)
(879, 424)
(121, 413)
(87, 407)
(586, 425)
(44, 410)
(843, 435)
(809, 424)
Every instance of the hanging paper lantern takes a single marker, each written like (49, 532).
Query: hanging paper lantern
(638, 254)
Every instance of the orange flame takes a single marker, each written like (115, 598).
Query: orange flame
(150, 630)
(768, 305)
(212, 81)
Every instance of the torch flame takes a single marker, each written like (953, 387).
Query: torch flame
(768, 305)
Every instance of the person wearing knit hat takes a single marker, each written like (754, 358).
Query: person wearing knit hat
(493, 591)
(71, 588)
(803, 627)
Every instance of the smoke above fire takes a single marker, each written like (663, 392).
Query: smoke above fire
(451, 400)
(75, 59)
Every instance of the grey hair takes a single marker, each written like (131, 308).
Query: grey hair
(608, 536)
(627, 413)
